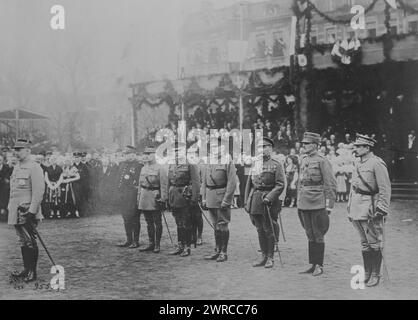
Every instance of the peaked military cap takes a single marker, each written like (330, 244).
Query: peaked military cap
(22, 143)
(149, 150)
(364, 140)
(311, 137)
(266, 141)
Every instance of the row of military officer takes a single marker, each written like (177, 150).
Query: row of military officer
(151, 189)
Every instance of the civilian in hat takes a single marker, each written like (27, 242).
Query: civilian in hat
(129, 171)
(218, 188)
(80, 186)
(369, 205)
(26, 192)
(315, 200)
(152, 196)
(265, 184)
(197, 218)
(183, 192)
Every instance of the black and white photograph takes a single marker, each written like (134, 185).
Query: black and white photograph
(208, 155)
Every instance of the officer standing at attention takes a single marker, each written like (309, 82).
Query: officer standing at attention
(129, 171)
(27, 188)
(152, 195)
(315, 199)
(368, 205)
(218, 188)
(265, 183)
(184, 187)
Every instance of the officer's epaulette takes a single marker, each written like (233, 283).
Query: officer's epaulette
(379, 159)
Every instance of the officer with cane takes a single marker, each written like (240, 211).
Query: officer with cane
(368, 205)
(218, 187)
(27, 188)
(183, 191)
(152, 196)
(264, 186)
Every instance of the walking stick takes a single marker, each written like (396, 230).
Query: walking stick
(206, 218)
(274, 232)
(385, 269)
(36, 233)
(281, 225)
(168, 230)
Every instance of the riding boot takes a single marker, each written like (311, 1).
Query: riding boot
(158, 233)
(180, 247)
(32, 261)
(215, 255)
(24, 272)
(312, 257)
(151, 238)
(319, 258)
(367, 265)
(376, 264)
(224, 235)
(260, 262)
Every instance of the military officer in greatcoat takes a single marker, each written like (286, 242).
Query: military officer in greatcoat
(218, 188)
(184, 186)
(315, 199)
(129, 171)
(152, 195)
(27, 188)
(368, 205)
(265, 183)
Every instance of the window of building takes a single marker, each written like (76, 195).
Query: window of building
(371, 29)
(314, 36)
(278, 44)
(330, 35)
(413, 27)
(393, 27)
(260, 46)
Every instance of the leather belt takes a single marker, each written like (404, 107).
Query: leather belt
(363, 192)
(264, 188)
(216, 187)
(150, 188)
(312, 183)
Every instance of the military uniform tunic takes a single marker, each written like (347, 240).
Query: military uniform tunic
(374, 172)
(27, 187)
(317, 185)
(152, 183)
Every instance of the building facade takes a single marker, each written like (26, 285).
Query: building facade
(266, 27)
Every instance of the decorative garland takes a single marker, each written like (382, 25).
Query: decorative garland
(300, 6)
(346, 52)
(407, 8)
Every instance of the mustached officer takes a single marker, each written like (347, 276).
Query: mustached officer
(183, 184)
(152, 195)
(218, 187)
(264, 186)
(27, 188)
(315, 199)
(368, 205)
(129, 171)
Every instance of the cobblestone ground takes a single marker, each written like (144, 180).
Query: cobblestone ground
(96, 269)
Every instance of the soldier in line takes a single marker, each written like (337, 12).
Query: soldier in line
(27, 187)
(315, 200)
(197, 218)
(218, 188)
(129, 171)
(369, 205)
(183, 184)
(152, 195)
(262, 191)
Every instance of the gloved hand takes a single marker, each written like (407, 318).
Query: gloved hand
(328, 210)
(379, 215)
(224, 205)
(204, 207)
(267, 202)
